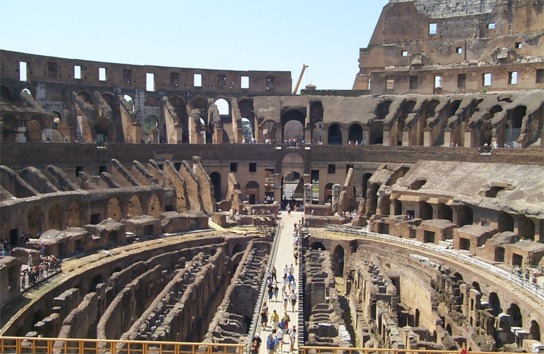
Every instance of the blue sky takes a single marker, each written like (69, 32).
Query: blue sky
(226, 34)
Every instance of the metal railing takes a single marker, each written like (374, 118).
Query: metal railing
(347, 350)
(28, 345)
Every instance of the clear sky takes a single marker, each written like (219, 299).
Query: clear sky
(274, 35)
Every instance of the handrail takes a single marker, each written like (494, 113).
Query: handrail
(89, 346)
(487, 267)
(304, 349)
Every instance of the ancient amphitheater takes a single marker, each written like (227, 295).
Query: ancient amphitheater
(136, 210)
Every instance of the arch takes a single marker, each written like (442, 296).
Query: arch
(534, 330)
(180, 107)
(103, 130)
(129, 103)
(425, 211)
(430, 108)
(317, 246)
(516, 116)
(355, 134)
(444, 211)
(35, 220)
(268, 128)
(252, 192)
(98, 279)
(526, 228)
(74, 214)
(382, 109)
(494, 304)
(316, 121)
(150, 128)
(338, 261)
(366, 177)
(293, 130)
(494, 110)
(465, 216)
(85, 96)
(134, 207)
(237, 249)
(334, 134)
(6, 94)
(56, 217)
(247, 129)
(457, 277)
(515, 315)
(215, 178)
(223, 106)
(454, 106)
(154, 206)
(114, 209)
(505, 222)
(290, 182)
(476, 286)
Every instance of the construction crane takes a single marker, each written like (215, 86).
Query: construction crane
(304, 66)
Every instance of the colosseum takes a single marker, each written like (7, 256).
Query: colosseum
(142, 205)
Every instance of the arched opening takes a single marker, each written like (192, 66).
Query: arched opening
(73, 217)
(98, 279)
(35, 221)
(269, 131)
(223, 107)
(114, 209)
(355, 134)
(425, 211)
(129, 103)
(444, 212)
(215, 178)
(85, 97)
(115, 131)
(316, 121)
(56, 217)
(515, 315)
(366, 177)
(465, 216)
(180, 107)
(335, 134)
(430, 108)
(382, 109)
(317, 246)
(454, 106)
(154, 206)
(252, 192)
(476, 286)
(494, 304)
(247, 130)
(6, 95)
(534, 330)
(289, 184)
(290, 128)
(327, 195)
(494, 110)
(134, 207)
(505, 222)
(376, 132)
(526, 228)
(150, 129)
(513, 125)
(237, 249)
(338, 261)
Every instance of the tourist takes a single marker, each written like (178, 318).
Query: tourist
(293, 300)
(285, 302)
(276, 290)
(275, 318)
(285, 321)
(274, 272)
(264, 319)
(271, 344)
(270, 292)
(292, 338)
(279, 337)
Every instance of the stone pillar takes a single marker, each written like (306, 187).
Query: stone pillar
(405, 137)
(427, 137)
(366, 136)
(447, 137)
(218, 135)
(468, 139)
(345, 134)
(308, 134)
(386, 136)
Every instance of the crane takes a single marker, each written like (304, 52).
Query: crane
(304, 66)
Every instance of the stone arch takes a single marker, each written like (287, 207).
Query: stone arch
(465, 215)
(35, 220)
(382, 109)
(6, 94)
(180, 108)
(534, 330)
(116, 124)
(317, 246)
(355, 134)
(247, 129)
(97, 279)
(526, 228)
(246, 110)
(56, 217)
(505, 222)
(154, 206)
(334, 134)
(74, 214)
(494, 304)
(236, 249)
(150, 129)
(114, 209)
(292, 124)
(201, 103)
(515, 315)
(223, 106)
(338, 257)
(425, 211)
(268, 128)
(476, 286)
(444, 211)
(215, 178)
(252, 192)
(454, 106)
(494, 110)
(134, 207)
(430, 108)
(290, 180)
(85, 96)
(103, 128)
(316, 121)
(366, 177)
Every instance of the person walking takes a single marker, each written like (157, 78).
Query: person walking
(292, 338)
(271, 344)
(293, 300)
(275, 318)
(279, 337)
